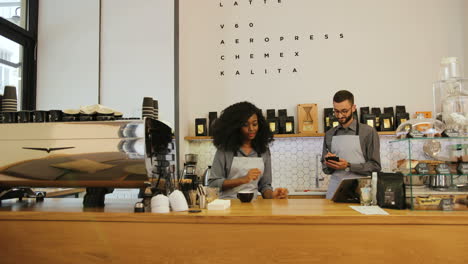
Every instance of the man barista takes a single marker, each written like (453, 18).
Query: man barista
(351, 149)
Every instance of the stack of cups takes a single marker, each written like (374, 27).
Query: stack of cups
(148, 108)
(155, 109)
(178, 201)
(160, 204)
(9, 101)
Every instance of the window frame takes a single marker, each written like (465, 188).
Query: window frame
(27, 38)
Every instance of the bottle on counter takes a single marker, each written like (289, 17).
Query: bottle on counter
(206, 176)
(366, 196)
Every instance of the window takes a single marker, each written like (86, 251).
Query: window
(13, 11)
(10, 65)
(18, 38)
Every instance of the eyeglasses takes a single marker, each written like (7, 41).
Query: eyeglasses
(343, 112)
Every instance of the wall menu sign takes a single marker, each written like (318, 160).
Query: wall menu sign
(281, 53)
(246, 49)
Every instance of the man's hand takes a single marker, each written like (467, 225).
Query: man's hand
(337, 165)
(280, 193)
(252, 175)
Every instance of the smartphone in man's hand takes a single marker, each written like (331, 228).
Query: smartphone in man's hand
(334, 158)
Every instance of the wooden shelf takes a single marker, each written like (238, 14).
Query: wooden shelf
(387, 133)
(299, 135)
(198, 138)
(303, 135)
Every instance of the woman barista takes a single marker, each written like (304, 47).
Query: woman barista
(242, 161)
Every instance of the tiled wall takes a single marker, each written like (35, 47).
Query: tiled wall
(294, 160)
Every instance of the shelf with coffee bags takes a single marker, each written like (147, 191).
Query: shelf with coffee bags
(435, 171)
(302, 135)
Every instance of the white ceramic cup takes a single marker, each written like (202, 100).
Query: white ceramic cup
(177, 201)
(160, 204)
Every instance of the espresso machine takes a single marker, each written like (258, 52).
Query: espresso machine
(98, 156)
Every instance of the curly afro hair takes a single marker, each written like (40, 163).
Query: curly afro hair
(227, 134)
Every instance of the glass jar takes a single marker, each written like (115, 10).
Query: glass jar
(449, 69)
(455, 115)
(452, 98)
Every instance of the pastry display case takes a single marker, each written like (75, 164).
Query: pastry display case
(436, 171)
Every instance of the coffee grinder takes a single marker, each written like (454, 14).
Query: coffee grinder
(190, 168)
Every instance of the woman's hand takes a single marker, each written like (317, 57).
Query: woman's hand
(280, 193)
(252, 175)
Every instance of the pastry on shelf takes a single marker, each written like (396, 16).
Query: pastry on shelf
(428, 200)
(433, 199)
(405, 165)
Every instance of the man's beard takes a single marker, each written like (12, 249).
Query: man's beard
(346, 120)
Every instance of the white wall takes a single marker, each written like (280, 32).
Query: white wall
(137, 50)
(137, 54)
(389, 56)
(465, 27)
(68, 53)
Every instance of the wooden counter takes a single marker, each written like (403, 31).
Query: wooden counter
(281, 231)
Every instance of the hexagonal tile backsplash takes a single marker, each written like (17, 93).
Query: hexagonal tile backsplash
(294, 160)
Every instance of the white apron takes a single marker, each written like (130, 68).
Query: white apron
(239, 168)
(347, 147)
